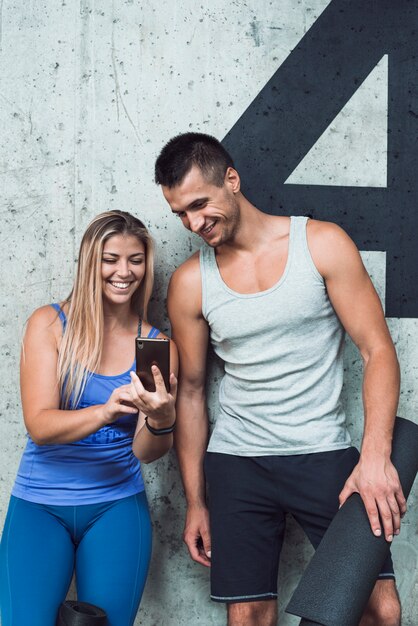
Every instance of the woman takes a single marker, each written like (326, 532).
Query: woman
(78, 503)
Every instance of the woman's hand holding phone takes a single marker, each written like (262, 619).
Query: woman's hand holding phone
(119, 404)
(158, 405)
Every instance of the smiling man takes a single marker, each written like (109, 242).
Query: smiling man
(274, 295)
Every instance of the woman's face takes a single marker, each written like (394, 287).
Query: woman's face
(123, 267)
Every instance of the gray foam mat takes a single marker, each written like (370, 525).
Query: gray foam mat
(338, 581)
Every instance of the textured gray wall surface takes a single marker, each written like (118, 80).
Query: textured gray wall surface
(90, 91)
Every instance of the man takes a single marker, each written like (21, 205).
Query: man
(274, 295)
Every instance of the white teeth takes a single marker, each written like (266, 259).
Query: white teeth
(120, 285)
(208, 228)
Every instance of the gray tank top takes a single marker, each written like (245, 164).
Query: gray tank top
(283, 357)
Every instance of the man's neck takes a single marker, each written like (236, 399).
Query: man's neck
(254, 231)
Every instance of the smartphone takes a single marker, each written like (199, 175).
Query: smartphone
(152, 352)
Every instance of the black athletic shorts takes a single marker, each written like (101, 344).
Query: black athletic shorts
(248, 500)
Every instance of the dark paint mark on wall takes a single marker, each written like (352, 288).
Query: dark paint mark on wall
(299, 102)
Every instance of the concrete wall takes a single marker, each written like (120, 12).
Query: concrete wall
(90, 91)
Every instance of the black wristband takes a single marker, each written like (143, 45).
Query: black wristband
(159, 431)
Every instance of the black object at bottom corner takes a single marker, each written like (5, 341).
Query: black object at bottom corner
(73, 613)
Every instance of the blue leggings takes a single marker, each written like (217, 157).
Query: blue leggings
(107, 545)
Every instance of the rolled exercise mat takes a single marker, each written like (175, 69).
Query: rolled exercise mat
(72, 613)
(340, 577)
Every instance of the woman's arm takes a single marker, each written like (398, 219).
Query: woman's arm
(46, 423)
(159, 407)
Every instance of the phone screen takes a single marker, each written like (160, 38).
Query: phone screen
(152, 352)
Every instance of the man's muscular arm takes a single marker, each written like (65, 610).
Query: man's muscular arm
(190, 332)
(359, 309)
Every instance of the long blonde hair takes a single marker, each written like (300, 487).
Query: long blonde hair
(81, 346)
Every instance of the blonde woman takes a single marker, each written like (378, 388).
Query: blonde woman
(78, 503)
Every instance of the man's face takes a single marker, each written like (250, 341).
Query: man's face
(209, 211)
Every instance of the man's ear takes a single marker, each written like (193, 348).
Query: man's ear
(232, 179)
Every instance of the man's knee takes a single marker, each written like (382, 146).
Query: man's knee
(382, 616)
(384, 608)
(263, 613)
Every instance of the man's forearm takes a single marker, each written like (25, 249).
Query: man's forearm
(380, 399)
(190, 441)
(374, 477)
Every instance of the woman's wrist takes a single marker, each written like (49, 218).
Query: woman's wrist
(160, 426)
(101, 415)
(161, 421)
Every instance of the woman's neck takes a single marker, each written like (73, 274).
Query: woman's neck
(118, 315)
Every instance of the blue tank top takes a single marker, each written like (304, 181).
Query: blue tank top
(99, 468)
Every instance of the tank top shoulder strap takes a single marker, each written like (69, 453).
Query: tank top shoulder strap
(298, 227)
(302, 254)
(154, 332)
(207, 257)
(208, 276)
(61, 315)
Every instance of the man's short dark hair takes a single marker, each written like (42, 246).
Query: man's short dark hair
(181, 153)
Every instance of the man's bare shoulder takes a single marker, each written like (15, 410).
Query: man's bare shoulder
(187, 275)
(185, 290)
(329, 244)
(326, 231)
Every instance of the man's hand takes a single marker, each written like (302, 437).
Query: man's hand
(197, 534)
(377, 482)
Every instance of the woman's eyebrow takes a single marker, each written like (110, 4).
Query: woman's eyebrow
(131, 255)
